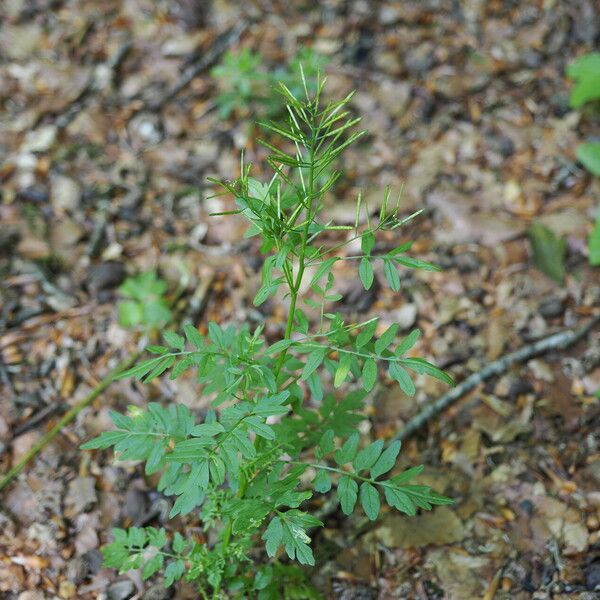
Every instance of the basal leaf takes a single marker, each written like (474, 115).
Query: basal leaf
(174, 340)
(386, 338)
(589, 156)
(391, 274)
(594, 243)
(549, 252)
(403, 378)
(313, 362)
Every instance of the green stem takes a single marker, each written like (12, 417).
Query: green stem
(294, 293)
(332, 469)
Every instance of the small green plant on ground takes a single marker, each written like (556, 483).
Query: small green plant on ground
(247, 88)
(284, 416)
(548, 252)
(146, 304)
(585, 72)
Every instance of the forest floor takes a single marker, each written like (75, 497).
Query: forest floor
(104, 174)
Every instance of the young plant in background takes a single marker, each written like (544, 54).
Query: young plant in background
(241, 82)
(585, 72)
(284, 417)
(146, 304)
(247, 88)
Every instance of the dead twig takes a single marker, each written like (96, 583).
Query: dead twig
(558, 341)
(36, 419)
(208, 59)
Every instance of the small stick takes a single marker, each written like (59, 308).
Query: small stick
(36, 419)
(558, 341)
(207, 59)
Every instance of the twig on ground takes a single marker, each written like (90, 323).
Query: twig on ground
(208, 59)
(37, 418)
(78, 103)
(558, 341)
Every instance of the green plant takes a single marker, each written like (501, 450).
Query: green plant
(549, 251)
(246, 87)
(284, 416)
(594, 243)
(585, 71)
(146, 304)
(241, 82)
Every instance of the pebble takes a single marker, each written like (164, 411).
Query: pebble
(394, 96)
(389, 15)
(9, 238)
(94, 560)
(40, 140)
(158, 592)
(34, 193)
(31, 596)
(420, 60)
(594, 499)
(77, 569)
(65, 194)
(466, 262)
(406, 316)
(204, 155)
(388, 62)
(136, 504)
(121, 590)
(23, 443)
(551, 307)
(67, 590)
(592, 575)
(146, 129)
(506, 146)
(82, 494)
(106, 275)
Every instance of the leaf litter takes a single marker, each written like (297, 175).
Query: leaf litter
(468, 111)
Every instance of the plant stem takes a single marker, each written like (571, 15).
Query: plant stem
(294, 293)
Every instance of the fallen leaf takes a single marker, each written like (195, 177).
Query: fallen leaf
(438, 527)
(549, 252)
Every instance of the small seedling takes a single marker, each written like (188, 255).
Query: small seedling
(283, 423)
(241, 82)
(585, 71)
(247, 87)
(146, 304)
